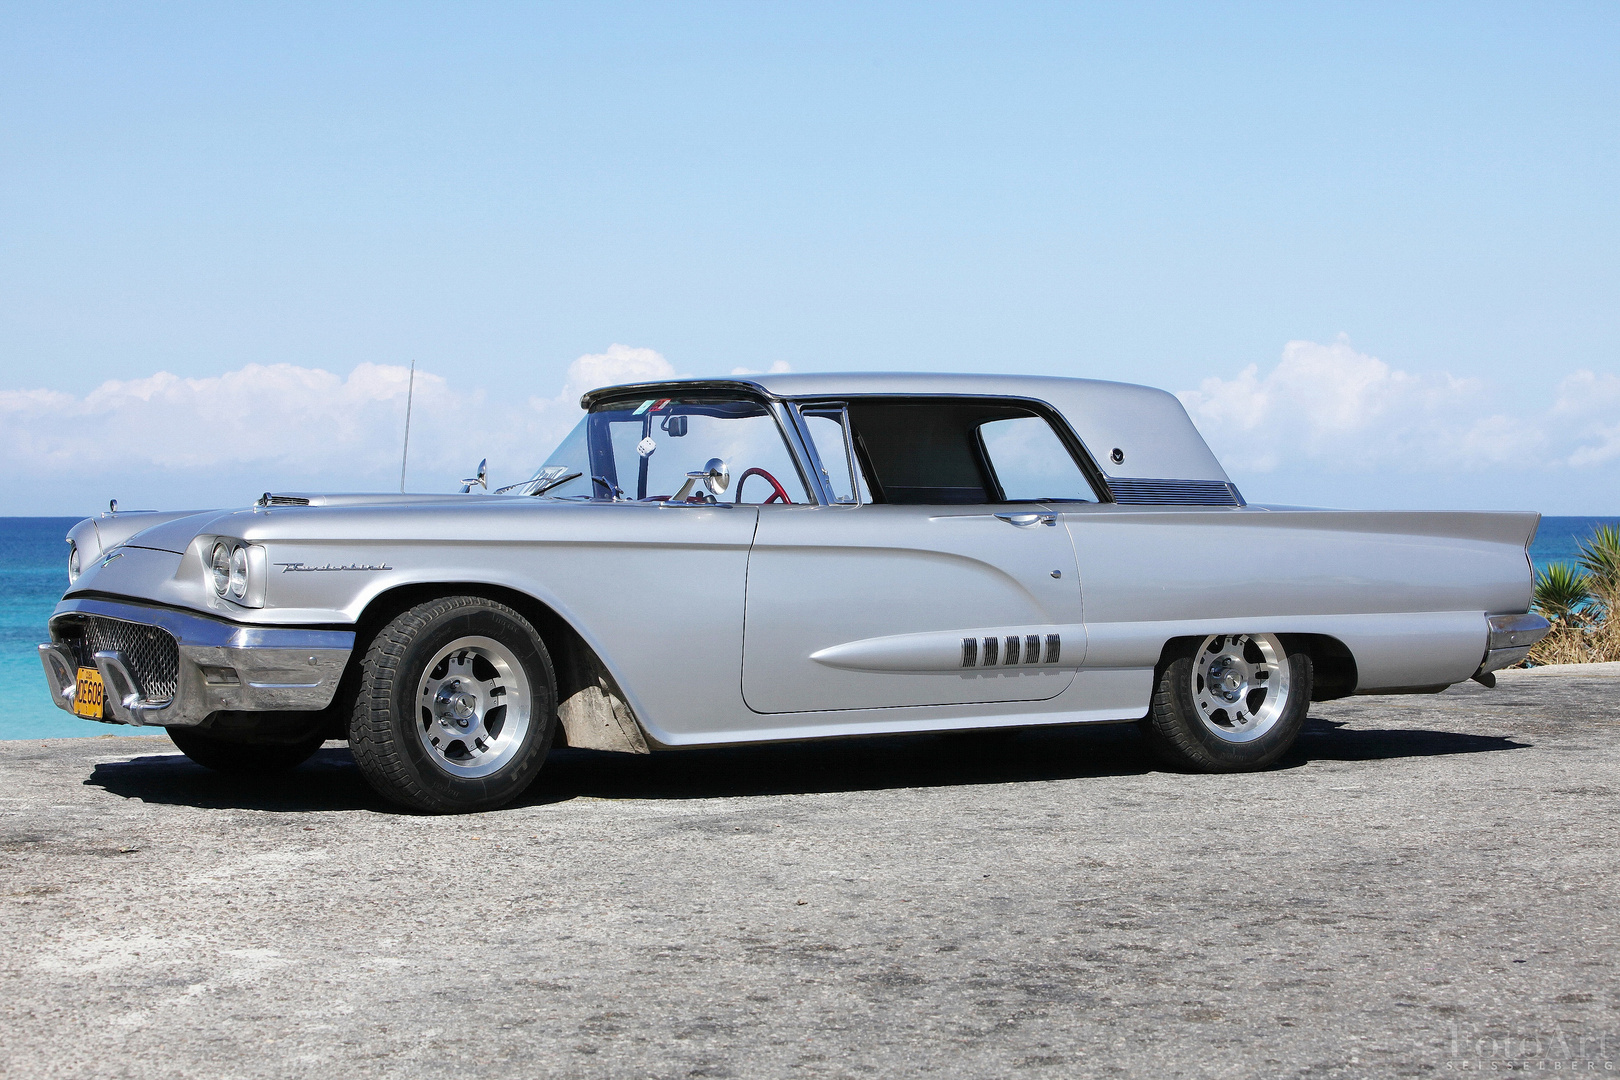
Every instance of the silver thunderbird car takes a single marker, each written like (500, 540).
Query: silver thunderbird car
(707, 562)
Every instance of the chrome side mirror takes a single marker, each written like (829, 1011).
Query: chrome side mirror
(482, 479)
(716, 477)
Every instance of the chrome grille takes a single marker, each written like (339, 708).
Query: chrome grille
(150, 651)
(1137, 492)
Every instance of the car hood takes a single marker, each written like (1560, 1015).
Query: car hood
(174, 532)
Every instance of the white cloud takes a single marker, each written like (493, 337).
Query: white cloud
(1322, 409)
(780, 367)
(619, 364)
(552, 418)
(1590, 404)
(1337, 409)
(305, 419)
(224, 438)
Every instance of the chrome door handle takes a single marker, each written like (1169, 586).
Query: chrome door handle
(1024, 521)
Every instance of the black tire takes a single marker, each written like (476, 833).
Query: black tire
(1183, 739)
(243, 758)
(389, 732)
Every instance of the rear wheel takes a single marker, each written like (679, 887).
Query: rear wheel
(1236, 702)
(456, 707)
(243, 758)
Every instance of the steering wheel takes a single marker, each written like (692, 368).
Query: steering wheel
(779, 493)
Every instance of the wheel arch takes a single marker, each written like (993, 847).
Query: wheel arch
(593, 711)
(1334, 673)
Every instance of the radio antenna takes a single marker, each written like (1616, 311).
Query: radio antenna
(404, 453)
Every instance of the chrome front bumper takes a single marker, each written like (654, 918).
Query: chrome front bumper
(1510, 640)
(222, 666)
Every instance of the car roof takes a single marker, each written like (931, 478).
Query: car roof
(919, 383)
(1130, 431)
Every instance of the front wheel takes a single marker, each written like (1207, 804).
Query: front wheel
(456, 706)
(1237, 702)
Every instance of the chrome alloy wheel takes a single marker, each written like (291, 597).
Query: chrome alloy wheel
(1240, 685)
(473, 707)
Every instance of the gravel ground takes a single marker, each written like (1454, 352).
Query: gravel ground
(1426, 886)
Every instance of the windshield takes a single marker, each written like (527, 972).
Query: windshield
(646, 449)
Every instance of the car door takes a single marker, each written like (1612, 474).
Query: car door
(862, 607)
(924, 583)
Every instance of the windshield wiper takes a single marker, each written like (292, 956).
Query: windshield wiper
(545, 485)
(558, 482)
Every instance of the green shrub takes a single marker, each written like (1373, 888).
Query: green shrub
(1582, 604)
(1563, 593)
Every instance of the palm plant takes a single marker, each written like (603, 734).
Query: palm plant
(1583, 603)
(1563, 593)
(1600, 558)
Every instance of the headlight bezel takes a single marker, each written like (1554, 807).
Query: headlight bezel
(235, 570)
(75, 566)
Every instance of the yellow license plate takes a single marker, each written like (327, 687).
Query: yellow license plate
(90, 696)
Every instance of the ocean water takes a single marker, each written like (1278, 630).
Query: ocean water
(33, 576)
(1557, 538)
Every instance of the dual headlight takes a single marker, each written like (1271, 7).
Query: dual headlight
(237, 572)
(229, 569)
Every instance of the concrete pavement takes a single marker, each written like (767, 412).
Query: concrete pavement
(1427, 886)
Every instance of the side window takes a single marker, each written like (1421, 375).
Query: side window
(826, 428)
(945, 451)
(1030, 462)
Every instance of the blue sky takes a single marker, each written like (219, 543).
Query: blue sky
(1421, 198)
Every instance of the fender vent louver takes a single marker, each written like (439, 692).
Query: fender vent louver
(1137, 492)
(1015, 649)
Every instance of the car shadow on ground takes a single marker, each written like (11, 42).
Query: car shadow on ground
(330, 781)
(1335, 740)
